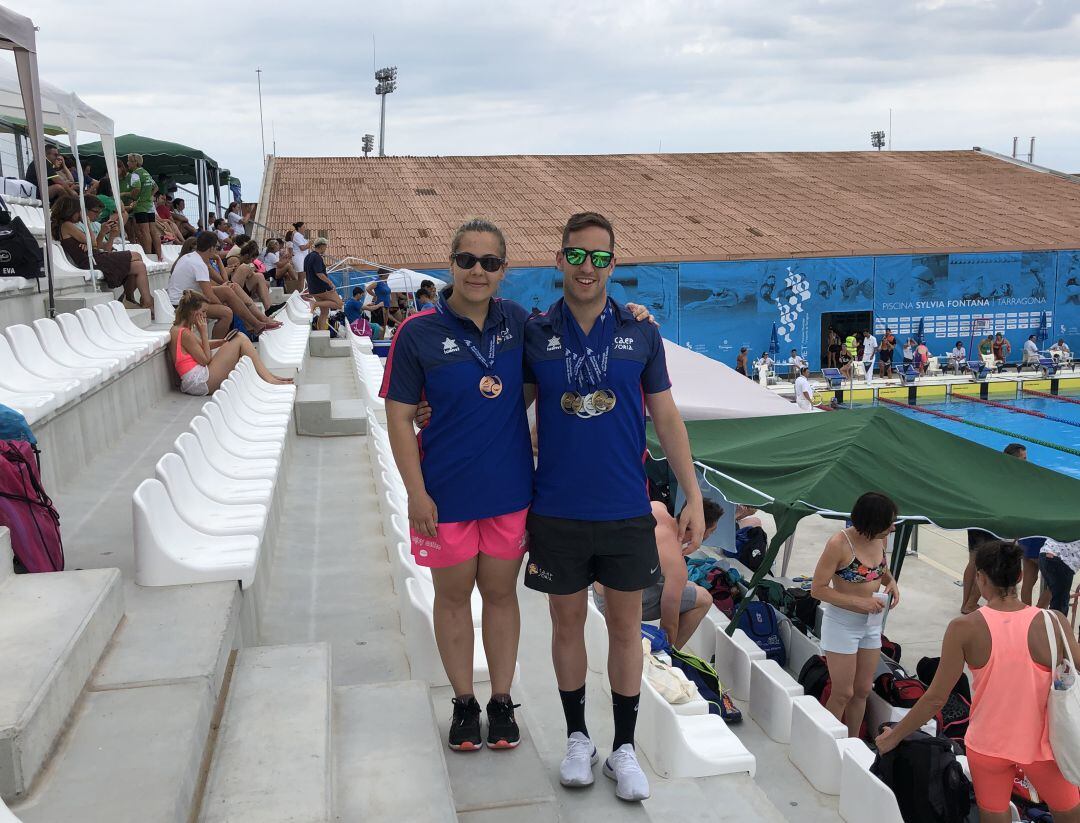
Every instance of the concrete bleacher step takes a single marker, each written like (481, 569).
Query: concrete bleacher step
(54, 629)
(72, 301)
(317, 414)
(516, 778)
(272, 761)
(320, 344)
(385, 735)
(131, 755)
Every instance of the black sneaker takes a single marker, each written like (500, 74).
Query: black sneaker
(503, 730)
(465, 726)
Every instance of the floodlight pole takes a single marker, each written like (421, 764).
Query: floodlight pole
(386, 84)
(262, 129)
(382, 125)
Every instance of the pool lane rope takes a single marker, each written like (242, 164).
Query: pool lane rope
(997, 404)
(1060, 397)
(995, 429)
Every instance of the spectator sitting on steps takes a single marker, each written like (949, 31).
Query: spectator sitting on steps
(202, 363)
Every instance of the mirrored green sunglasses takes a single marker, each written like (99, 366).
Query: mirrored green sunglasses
(600, 259)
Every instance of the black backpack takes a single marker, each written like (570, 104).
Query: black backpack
(929, 784)
(20, 255)
(956, 713)
(814, 678)
(751, 543)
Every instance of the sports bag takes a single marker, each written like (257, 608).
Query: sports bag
(704, 676)
(928, 781)
(725, 594)
(797, 603)
(902, 692)
(760, 624)
(20, 255)
(27, 511)
(955, 715)
(1063, 704)
(670, 683)
(814, 678)
(750, 545)
(892, 649)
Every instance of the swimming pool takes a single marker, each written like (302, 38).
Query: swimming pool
(1023, 426)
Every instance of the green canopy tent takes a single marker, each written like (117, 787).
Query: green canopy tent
(161, 158)
(793, 466)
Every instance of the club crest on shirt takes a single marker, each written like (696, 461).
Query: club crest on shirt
(554, 343)
(503, 336)
(449, 346)
(624, 343)
(536, 571)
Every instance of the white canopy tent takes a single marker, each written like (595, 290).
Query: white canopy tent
(705, 389)
(42, 104)
(63, 110)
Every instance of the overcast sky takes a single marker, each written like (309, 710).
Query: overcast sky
(515, 77)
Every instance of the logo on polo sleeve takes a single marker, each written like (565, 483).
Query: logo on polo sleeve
(449, 346)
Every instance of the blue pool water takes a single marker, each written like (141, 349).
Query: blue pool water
(1022, 425)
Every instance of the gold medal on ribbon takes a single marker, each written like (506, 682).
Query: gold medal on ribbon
(603, 401)
(490, 386)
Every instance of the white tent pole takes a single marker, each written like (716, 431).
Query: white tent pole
(108, 148)
(26, 63)
(73, 141)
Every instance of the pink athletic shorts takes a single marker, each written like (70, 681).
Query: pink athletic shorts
(502, 537)
(993, 781)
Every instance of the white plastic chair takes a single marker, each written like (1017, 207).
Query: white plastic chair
(111, 327)
(202, 512)
(92, 326)
(772, 692)
(123, 320)
(242, 415)
(596, 638)
(27, 349)
(254, 399)
(685, 741)
(76, 336)
(734, 655)
(163, 307)
(815, 744)
(213, 483)
(246, 451)
(863, 797)
(231, 465)
(17, 379)
(246, 369)
(5, 814)
(169, 552)
(258, 437)
(32, 406)
(53, 342)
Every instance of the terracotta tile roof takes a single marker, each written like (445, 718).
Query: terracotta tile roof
(666, 207)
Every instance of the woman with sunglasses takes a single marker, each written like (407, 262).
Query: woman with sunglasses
(464, 356)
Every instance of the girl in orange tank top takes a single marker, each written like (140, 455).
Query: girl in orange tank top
(1006, 647)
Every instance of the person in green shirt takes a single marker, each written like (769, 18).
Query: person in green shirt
(987, 345)
(139, 198)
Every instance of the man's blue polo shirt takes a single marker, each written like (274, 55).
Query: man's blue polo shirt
(593, 468)
(382, 293)
(354, 309)
(475, 452)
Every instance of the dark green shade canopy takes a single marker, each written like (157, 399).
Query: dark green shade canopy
(160, 157)
(796, 465)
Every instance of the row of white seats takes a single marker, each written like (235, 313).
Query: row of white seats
(208, 512)
(413, 583)
(283, 349)
(53, 362)
(680, 740)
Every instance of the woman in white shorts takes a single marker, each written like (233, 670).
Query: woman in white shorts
(853, 582)
(202, 363)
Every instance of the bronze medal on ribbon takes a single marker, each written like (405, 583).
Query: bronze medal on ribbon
(490, 386)
(567, 402)
(603, 400)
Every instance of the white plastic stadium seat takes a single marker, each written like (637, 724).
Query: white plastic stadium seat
(733, 657)
(201, 511)
(215, 484)
(816, 738)
(240, 449)
(76, 336)
(53, 342)
(596, 638)
(123, 320)
(5, 814)
(27, 348)
(257, 438)
(169, 552)
(772, 691)
(18, 380)
(246, 369)
(703, 641)
(97, 335)
(864, 798)
(238, 468)
(684, 740)
(111, 327)
(31, 405)
(163, 307)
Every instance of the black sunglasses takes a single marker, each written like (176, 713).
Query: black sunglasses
(600, 259)
(489, 262)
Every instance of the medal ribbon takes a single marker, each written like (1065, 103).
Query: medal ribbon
(488, 363)
(587, 369)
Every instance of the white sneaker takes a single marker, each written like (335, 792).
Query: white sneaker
(623, 768)
(581, 756)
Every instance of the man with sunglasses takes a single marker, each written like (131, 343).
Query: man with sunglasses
(597, 370)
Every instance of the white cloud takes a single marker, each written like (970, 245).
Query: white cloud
(585, 77)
